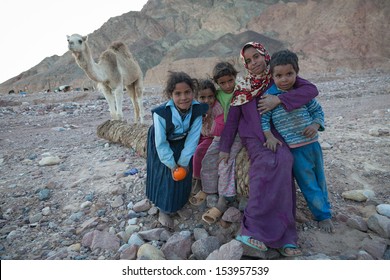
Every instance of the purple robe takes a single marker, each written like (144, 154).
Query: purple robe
(270, 214)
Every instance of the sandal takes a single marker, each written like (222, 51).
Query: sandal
(198, 198)
(211, 215)
(294, 253)
(245, 239)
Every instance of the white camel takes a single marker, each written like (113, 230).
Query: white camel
(115, 70)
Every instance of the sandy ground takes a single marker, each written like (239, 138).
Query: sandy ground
(356, 152)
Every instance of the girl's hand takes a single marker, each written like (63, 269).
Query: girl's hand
(173, 169)
(223, 157)
(272, 143)
(267, 103)
(311, 130)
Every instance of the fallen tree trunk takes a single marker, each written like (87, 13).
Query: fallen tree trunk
(134, 136)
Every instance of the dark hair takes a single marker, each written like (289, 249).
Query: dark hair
(284, 57)
(206, 84)
(222, 69)
(175, 78)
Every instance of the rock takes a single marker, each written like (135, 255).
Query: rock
(35, 218)
(384, 209)
(100, 239)
(379, 224)
(358, 195)
(363, 255)
(203, 247)
(50, 160)
(178, 246)
(232, 215)
(117, 202)
(185, 213)
(375, 248)
(149, 252)
(357, 223)
(44, 194)
(229, 251)
(326, 146)
(136, 239)
(153, 234)
(200, 233)
(75, 247)
(143, 205)
(129, 253)
(46, 211)
(378, 132)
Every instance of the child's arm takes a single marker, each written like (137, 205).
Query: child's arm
(303, 92)
(315, 110)
(191, 142)
(230, 130)
(162, 146)
(271, 141)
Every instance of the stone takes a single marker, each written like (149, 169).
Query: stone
(149, 252)
(383, 209)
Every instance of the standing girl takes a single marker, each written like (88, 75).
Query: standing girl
(172, 140)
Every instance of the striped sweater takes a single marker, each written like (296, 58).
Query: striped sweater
(290, 125)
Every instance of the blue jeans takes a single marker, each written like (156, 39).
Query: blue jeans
(309, 173)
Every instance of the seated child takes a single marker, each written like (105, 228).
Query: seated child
(218, 176)
(212, 125)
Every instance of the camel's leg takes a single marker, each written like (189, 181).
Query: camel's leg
(135, 93)
(110, 100)
(118, 92)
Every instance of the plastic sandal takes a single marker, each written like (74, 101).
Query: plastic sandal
(198, 198)
(211, 215)
(282, 250)
(245, 239)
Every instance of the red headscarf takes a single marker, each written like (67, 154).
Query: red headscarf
(252, 85)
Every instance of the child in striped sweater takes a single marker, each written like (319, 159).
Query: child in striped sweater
(299, 130)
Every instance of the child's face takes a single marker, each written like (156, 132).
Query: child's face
(182, 96)
(284, 76)
(206, 96)
(254, 61)
(227, 83)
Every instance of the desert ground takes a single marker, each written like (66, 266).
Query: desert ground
(48, 209)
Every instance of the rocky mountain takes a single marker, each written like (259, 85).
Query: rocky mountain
(191, 35)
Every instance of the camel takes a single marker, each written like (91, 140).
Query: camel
(116, 70)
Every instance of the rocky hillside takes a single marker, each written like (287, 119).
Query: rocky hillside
(192, 35)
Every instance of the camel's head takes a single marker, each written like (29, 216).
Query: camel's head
(76, 42)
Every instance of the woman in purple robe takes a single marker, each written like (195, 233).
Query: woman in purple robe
(269, 218)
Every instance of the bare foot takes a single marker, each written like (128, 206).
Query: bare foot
(251, 242)
(257, 244)
(165, 220)
(292, 252)
(196, 186)
(326, 225)
(221, 204)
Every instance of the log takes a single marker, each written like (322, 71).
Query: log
(134, 136)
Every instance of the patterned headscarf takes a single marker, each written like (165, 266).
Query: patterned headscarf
(252, 85)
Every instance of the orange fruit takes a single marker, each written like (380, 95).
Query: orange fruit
(179, 174)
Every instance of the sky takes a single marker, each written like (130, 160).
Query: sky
(32, 30)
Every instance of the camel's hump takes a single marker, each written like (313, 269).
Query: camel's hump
(118, 47)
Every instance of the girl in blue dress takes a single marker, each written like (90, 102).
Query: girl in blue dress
(172, 140)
